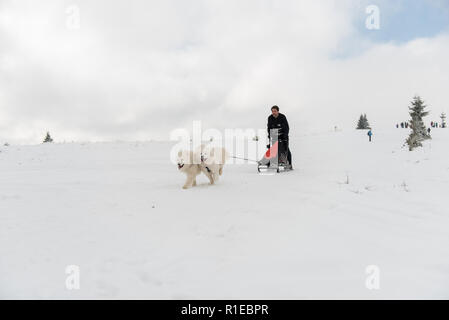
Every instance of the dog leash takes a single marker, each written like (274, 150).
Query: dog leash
(234, 157)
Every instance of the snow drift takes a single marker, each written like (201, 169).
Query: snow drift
(118, 212)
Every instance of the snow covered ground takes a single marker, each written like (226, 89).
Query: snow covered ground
(118, 212)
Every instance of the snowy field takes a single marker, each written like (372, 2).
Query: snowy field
(118, 212)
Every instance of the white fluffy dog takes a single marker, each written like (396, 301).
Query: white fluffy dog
(206, 159)
(212, 160)
(186, 165)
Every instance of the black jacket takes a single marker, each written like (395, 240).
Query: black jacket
(280, 123)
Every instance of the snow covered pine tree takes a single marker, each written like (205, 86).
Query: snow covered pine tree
(48, 138)
(363, 123)
(419, 132)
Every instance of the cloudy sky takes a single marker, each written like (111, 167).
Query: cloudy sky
(138, 69)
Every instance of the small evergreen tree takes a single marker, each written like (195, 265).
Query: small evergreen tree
(360, 123)
(366, 122)
(443, 120)
(48, 138)
(363, 123)
(419, 132)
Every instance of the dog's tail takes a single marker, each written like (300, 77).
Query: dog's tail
(226, 156)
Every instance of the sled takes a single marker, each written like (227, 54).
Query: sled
(270, 165)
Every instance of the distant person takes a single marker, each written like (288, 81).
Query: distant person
(397, 126)
(428, 131)
(370, 134)
(402, 125)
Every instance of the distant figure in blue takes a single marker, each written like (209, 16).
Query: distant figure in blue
(370, 134)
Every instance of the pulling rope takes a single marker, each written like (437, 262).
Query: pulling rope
(234, 157)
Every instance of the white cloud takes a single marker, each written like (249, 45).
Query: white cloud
(142, 69)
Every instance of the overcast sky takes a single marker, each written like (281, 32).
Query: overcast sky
(138, 69)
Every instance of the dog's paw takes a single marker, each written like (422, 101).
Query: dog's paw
(185, 187)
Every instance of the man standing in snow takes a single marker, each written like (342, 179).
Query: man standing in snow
(278, 121)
